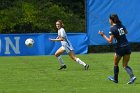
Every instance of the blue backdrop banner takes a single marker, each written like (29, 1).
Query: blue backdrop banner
(98, 12)
(14, 44)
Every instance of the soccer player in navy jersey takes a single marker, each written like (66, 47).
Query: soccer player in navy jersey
(122, 48)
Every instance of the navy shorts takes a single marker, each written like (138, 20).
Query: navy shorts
(121, 51)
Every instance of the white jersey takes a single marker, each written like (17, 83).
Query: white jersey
(66, 43)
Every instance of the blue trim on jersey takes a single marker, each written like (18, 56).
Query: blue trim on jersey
(69, 48)
(67, 42)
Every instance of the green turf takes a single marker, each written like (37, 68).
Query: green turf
(39, 74)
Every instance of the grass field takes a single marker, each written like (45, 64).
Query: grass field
(39, 74)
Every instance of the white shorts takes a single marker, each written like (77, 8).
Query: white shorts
(67, 48)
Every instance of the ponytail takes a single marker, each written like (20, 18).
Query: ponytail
(115, 19)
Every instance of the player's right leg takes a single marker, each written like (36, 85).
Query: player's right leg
(116, 69)
(58, 55)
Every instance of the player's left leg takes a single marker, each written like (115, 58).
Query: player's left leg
(128, 68)
(72, 56)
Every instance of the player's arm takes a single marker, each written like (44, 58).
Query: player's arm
(110, 39)
(57, 39)
(62, 34)
(126, 32)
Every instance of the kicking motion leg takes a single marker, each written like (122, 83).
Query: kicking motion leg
(72, 55)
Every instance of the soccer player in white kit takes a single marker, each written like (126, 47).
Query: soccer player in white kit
(66, 46)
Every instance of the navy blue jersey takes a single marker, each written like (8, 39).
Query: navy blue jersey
(119, 34)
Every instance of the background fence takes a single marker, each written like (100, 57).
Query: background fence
(14, 44)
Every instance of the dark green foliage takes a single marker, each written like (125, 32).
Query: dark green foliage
(37, 16)
(4, 4)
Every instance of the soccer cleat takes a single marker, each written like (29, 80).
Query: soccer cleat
(62, 67)
(86, 67)
(132, 80)
(112, 79)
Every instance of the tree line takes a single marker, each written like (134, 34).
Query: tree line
(39, 16)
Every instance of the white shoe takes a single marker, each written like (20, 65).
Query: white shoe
(132, 80)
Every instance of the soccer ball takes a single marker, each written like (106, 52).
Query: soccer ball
(29, 42)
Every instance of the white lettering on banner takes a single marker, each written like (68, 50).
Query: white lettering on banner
(9, 43)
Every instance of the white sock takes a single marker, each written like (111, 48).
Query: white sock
(80, 62)
(60, 60)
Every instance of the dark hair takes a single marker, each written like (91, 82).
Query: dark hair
(115, 19)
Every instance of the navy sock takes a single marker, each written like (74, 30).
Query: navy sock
(116, 72)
